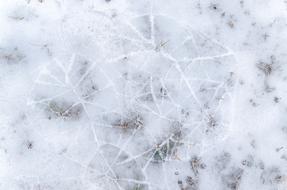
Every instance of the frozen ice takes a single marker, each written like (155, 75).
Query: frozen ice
(143, 95)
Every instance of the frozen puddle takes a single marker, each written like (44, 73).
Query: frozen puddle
(139, 95)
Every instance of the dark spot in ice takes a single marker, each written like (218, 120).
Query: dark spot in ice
(64, 110)
(279, 148)
(276, 99)
(163, 92)
(271, 176)
(192, 183)
(29, 145)
(253, 103)
(248, 162)
(241, 3)
(266, 68)
(214, 6)
(230, 24)
(211, 122)
(196, 164)
(11, 56)
(261, 165)
(232, 180)
(265, 36)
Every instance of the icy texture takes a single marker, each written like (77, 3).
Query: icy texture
(143, 95)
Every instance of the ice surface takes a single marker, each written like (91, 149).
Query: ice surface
(143, 95)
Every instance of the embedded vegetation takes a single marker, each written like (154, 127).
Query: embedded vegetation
(64, 110)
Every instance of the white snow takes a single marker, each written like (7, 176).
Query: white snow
(143, 95)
